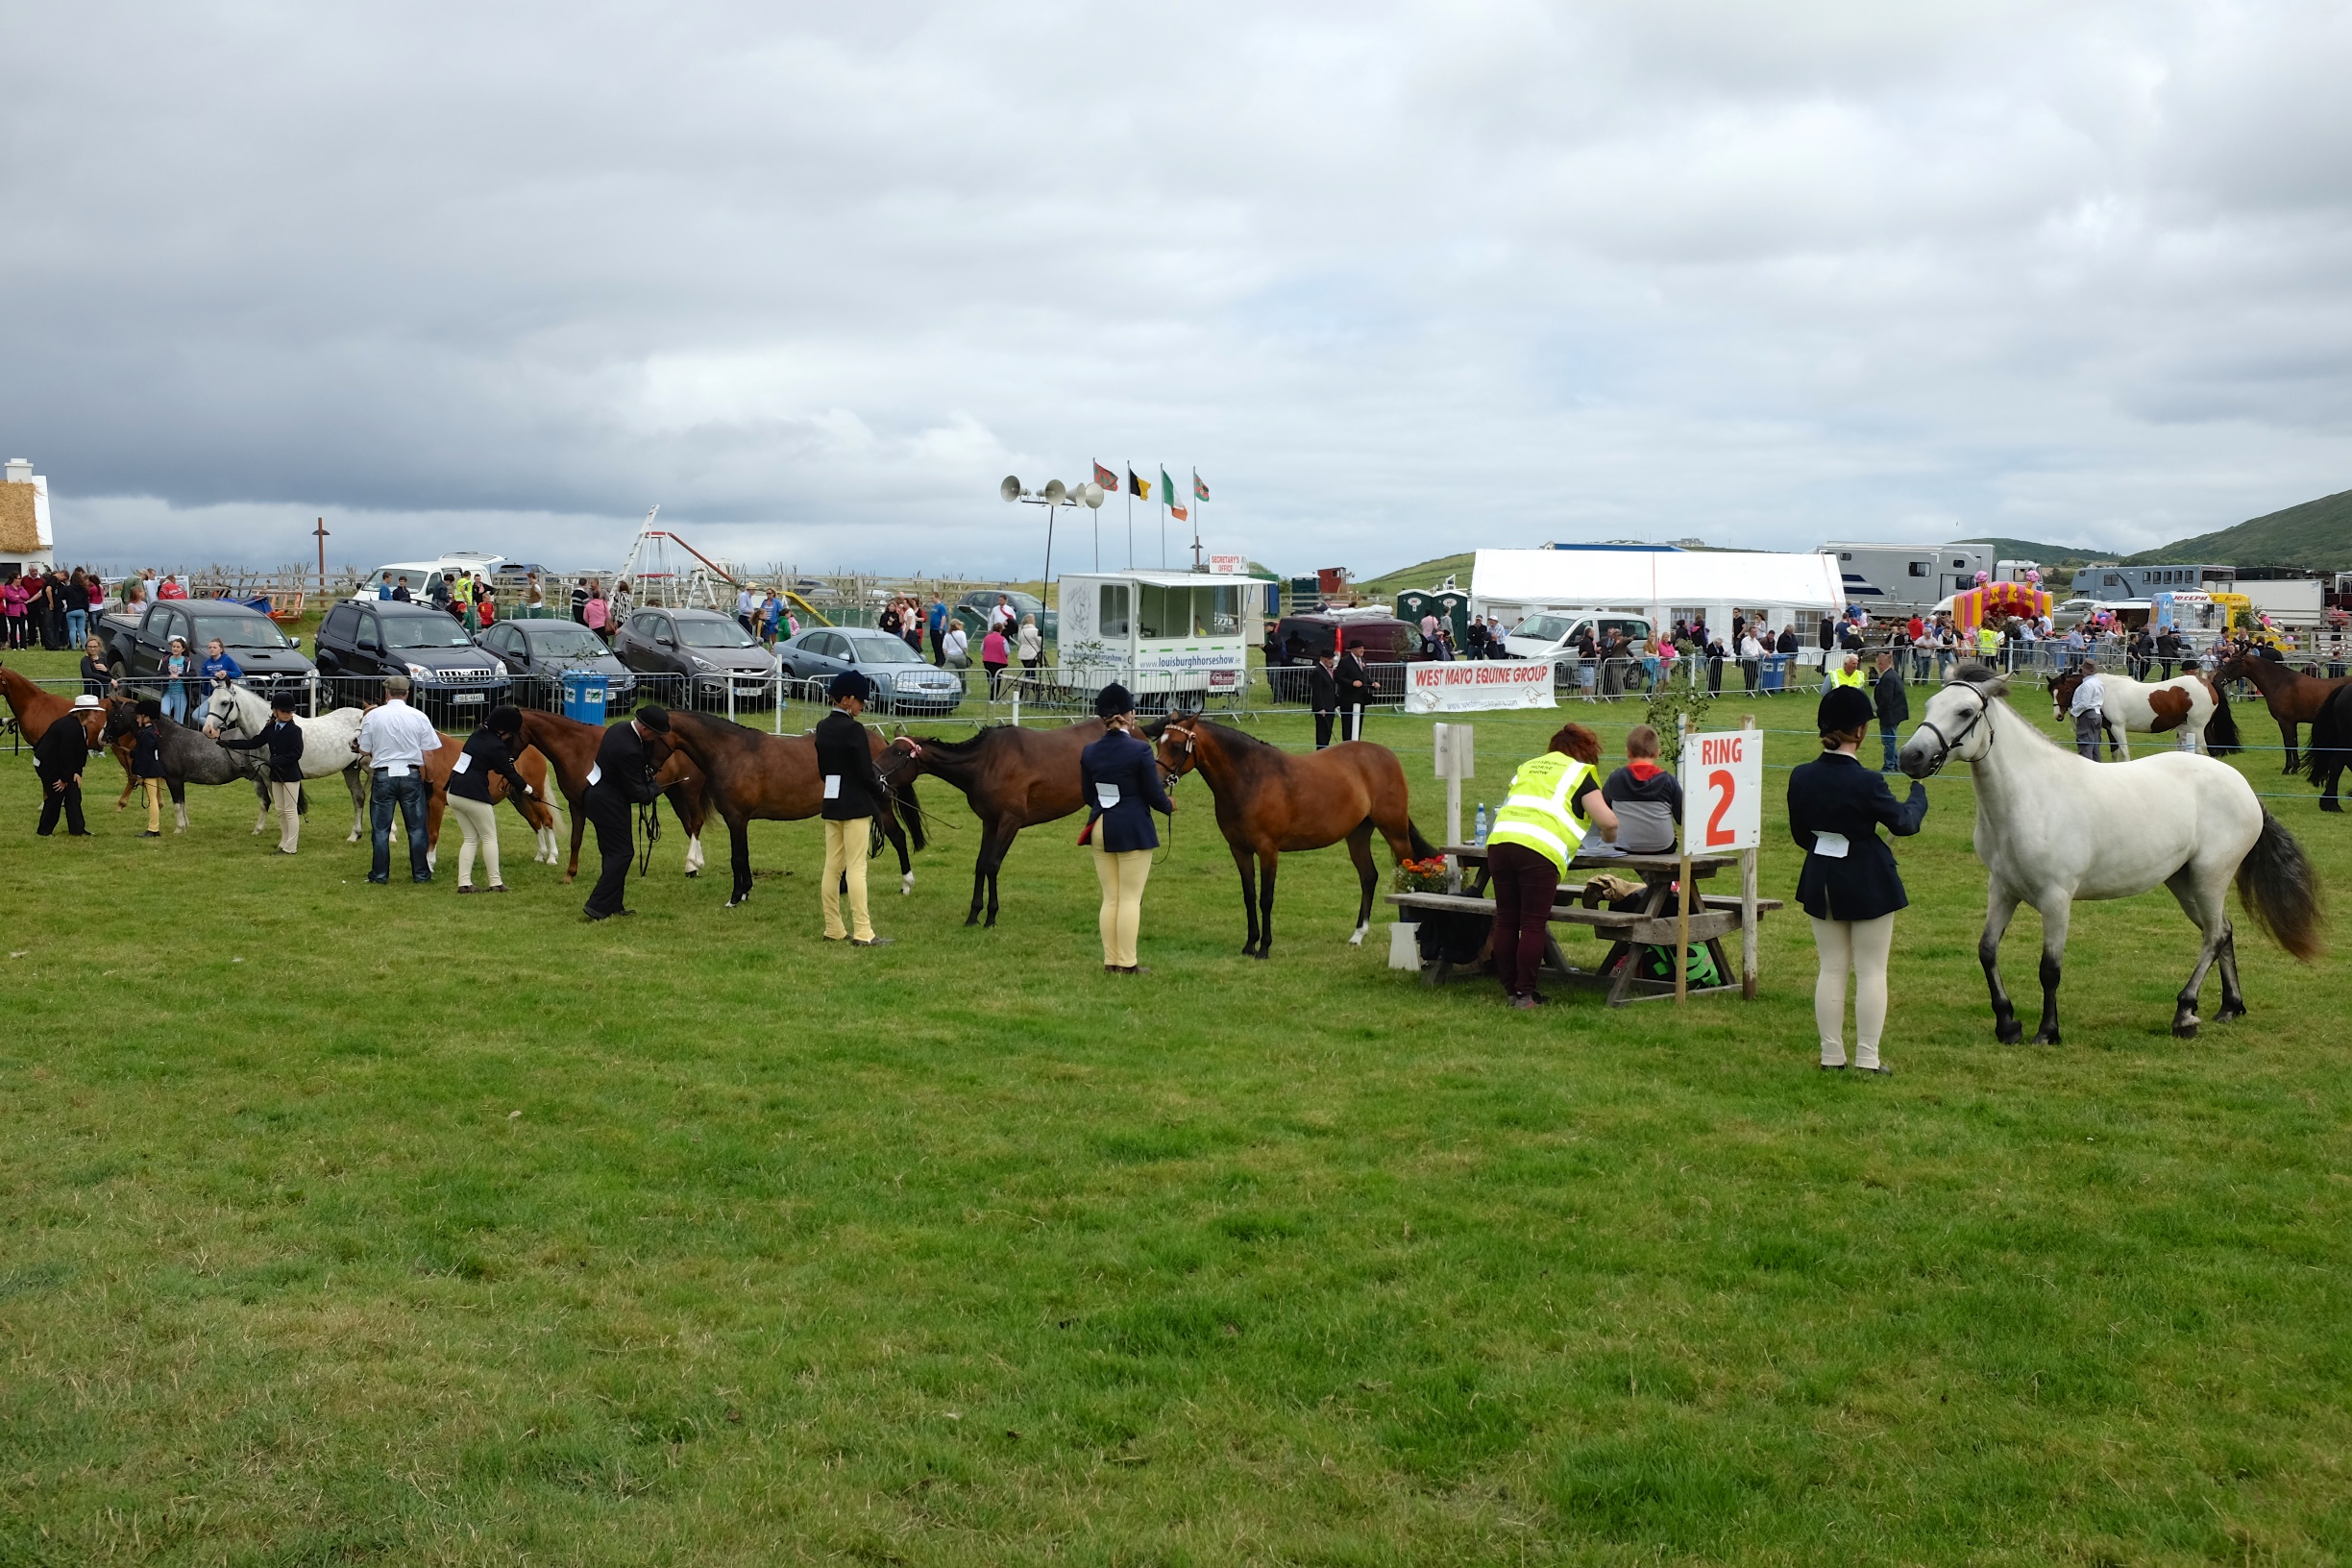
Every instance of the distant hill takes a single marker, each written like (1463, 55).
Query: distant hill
(2028, 549)
(1426, 575)
(2316, 535)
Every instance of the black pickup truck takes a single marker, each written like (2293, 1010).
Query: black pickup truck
(136, 650)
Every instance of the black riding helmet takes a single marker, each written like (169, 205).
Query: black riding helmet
(1114, 700)
(506, 720)
(850, 683)
(1843, 708)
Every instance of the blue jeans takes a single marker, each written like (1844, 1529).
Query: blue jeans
(1888, 743)
(175, 702)
(77, 628)
(408, 793)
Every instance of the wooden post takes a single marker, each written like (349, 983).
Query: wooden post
(321, 531)
(1747, 907)
(1682, 890)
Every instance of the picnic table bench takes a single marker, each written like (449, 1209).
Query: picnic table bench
(1712, 918)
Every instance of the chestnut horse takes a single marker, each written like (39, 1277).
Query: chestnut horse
(539, 815)
(2294, 697)
(1013, 778)
(571, 747)
(748, 773)
(36, 709)
(1268, 800)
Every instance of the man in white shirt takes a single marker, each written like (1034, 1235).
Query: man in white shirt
(395, 738)
(2089, 711)
(746, 608)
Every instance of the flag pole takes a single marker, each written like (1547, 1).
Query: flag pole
(1130, 514)
(1163, 506)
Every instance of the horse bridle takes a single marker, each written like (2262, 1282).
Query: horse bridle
(1945, 743)
(1170, 776)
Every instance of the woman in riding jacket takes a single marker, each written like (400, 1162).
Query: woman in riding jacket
(1121, 780)
(489, 749)
(1849, 885)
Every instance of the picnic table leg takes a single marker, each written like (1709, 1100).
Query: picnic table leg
(1621, 987)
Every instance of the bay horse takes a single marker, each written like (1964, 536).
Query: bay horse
(2295, 698)
(2053, 827)
(2189, 703)
(748, 773)
(1012, 778)
(2331, 747)
(570, 747)
(1268, 800)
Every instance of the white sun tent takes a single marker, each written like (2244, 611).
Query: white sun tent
(1661, 584)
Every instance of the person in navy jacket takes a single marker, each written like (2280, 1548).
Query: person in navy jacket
(1121, 778)
(1849, 885)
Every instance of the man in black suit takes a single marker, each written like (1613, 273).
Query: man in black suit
(622, 778)
(58, 760)
(1892, 705)
(1323, 698)
(853, 799)
(1355, 685)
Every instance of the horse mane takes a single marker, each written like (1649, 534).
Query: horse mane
(1981, 675)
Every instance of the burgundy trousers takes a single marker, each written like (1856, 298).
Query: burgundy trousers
(1523, 883)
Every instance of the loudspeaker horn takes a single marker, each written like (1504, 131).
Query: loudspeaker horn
(1090, 493)
(1056, 492)
(1010, 489)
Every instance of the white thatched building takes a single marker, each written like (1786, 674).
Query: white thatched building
(26, 544)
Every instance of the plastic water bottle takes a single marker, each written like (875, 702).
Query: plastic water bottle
(1481, 833)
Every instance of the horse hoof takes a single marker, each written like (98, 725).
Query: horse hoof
(2184, 1030)
(2229, 1012)
(2047, 1037)
(694, 874)
(2009, 1034)
(906, 884)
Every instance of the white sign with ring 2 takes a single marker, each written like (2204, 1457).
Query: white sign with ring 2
(1723, 791)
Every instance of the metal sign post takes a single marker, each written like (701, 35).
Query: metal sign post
(1747, 898)
(1682, 887)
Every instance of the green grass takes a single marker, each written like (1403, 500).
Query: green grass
(353, 1224)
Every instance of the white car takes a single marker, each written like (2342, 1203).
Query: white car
(1549, 634)
(420, 574)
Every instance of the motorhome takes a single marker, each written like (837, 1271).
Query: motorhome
(1889, 580)
(1161, 633)
(2146, 582)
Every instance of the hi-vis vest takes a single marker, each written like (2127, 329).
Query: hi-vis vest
(1988, 641)
(1841, 677)
(1538, 814)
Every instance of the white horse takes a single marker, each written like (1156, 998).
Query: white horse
(2052, 826)
(2186, 703)
(239, 710)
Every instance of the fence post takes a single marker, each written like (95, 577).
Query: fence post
(1682, 890)
(778, 726)
(731, 686)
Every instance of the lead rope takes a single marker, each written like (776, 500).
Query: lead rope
(649, 827)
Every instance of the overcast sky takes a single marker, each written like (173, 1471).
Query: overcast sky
(1398, 280)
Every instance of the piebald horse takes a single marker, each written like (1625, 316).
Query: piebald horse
(2053, 827)
(1012, 778)
(2189, 703)
(1268, 800)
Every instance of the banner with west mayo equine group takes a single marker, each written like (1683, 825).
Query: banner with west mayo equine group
(1472, 685)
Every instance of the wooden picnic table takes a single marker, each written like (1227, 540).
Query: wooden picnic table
(1625, 931)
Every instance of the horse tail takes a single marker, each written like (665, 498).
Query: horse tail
(2222, 730)
(2279, 891)
(1422, 848)
(2325, 754)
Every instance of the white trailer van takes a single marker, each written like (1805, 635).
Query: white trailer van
(1165, 634)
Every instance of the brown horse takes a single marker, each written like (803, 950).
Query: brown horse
(1268, 800)
(571, 747)
(748, 773)
(36, 709)
(1013, 778)
(440, 762)
(2294, 697)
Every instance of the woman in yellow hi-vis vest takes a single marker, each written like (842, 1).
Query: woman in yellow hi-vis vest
(1555, 799)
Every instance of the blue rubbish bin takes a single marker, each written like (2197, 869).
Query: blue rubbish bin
(584, 696)
(1773, 673)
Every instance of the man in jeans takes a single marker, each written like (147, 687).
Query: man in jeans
(395, 738)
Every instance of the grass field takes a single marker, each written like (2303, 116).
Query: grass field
(367, 1224)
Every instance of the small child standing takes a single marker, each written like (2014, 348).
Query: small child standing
(147, 763)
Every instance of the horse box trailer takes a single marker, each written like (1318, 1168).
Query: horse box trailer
(1896, 580)
(1163, 633)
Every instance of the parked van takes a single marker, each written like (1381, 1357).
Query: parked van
(420, 574)
(1552, 634)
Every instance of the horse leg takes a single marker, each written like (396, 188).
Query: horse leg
(579, 826)
(1359, 851)
(2203, 905)
(738, 857)
(983, 874)
(997, 853)
(356, 781)
(897, 835)
(261, 816)
(2233, 1001)
(2057, 910)
(1267, 862)
(1998, 912)
(179, 795)
(1247, 864)
(2289, 731)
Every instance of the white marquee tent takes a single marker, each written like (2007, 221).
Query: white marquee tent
(1662, 584)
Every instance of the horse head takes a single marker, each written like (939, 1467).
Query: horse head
(2062, 691)
(1179, 747)
(1957, 723)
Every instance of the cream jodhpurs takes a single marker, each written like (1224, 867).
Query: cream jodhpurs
(154, 790)
(1859, 947)
(480, 825)
(1122, 877)
(845, 846)
(287, 799)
